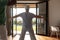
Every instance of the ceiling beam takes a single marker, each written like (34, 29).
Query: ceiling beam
(32, 0)
(23, 5)
(28, 1)
(12, 2)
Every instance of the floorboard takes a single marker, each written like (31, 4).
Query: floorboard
(38, 37)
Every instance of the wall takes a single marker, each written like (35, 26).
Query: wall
(54, 12)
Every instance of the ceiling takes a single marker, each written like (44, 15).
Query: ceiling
(13, 2)
(28, 1)
(21, 3)
(31, 0)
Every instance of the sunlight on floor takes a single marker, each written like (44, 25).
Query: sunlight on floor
(38, 37)
(27, 37)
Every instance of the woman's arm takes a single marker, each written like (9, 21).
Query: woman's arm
(14, 17)
(39, 16)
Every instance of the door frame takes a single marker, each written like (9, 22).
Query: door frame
(47, 22)
(47, 18)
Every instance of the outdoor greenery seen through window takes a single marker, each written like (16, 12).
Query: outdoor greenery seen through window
(18, 21)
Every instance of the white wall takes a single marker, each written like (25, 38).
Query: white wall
(54, 12)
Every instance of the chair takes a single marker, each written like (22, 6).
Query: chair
(54, 30)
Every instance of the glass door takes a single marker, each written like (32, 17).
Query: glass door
(41, 22)
(17, 22)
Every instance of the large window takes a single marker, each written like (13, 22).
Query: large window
(17, 22)
(39, 24)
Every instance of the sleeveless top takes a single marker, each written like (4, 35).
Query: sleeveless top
(27, 18)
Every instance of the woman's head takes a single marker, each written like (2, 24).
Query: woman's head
(27, 8)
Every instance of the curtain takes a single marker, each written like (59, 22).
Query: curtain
(3, 3)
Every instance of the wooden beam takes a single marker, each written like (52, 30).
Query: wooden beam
(32, 0)
(23, 5)
(12, 2)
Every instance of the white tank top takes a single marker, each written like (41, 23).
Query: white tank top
(27, 18)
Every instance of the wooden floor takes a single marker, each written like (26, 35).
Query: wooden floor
(38, 37)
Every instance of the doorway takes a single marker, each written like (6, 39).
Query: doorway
(17, 22)
(39, 24)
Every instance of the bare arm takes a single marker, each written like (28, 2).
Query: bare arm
(14, 16)
(39, 16)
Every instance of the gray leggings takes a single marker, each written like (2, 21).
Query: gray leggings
(31, 32)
